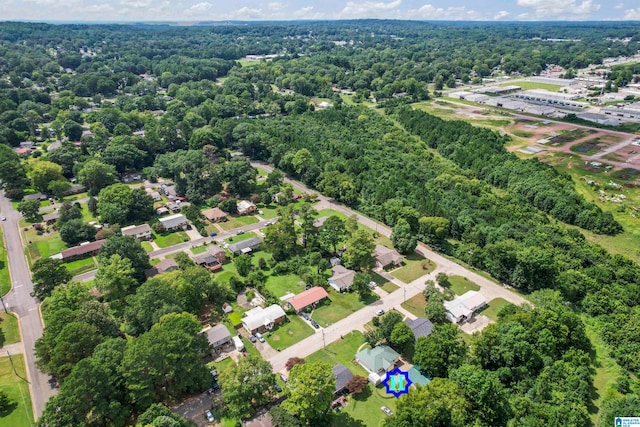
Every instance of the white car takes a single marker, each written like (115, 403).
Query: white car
(3, 218)
(386, 410)
(209, 416)
(372, 285)
(380, 312)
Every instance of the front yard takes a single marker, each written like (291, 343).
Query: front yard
(10, 329)
(17, 389)
(341, 352)
(289, 333)
(493, 307)
(238, 222)
(339, 306)
(415, 305)
(460, 285)
(165, 240)
(415, 266)
(5, 282)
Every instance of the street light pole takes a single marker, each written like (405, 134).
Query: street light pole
(323, 343)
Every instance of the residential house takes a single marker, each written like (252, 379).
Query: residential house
(377, 361)
(462, 308)
(207, 261)
(245, 246)
(342, 278)
(23, 152)
(343, 375)
(75, 189)
(310, 297)
(173, 207)
(155, 196)
(245, 207)
(263, 319)
(35, 196)
(174, 222)
(420, 326)
(162, 211)
(218, 336)
(83, 250)
(386, 257)
(217, 252)
(140, 232)
(50, 218)
(227, 308)
(215, 215)
(28, 144)
(164, 266)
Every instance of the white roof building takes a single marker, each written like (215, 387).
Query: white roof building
(173, 222)
(462, 308)
(263, 318)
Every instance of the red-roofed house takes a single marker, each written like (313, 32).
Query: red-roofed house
(309, 297)
(82, 251)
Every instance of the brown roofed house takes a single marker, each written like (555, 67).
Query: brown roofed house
(163, 266)
(141, 232)
(309, 297)
(50, 218)
(83, 250)
(215, 215)
(342, 278)
(386, 257)
(217, 252)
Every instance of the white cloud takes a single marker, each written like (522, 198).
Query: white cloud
(632, 14)
(501, 15)
(198, 9)
(619, 6)
(55, 2)
(560, 8)
(429, 11)
(136, 4)
(99, 8)
(369, 9)
(245, 14)
(307, 13)
(274, 5)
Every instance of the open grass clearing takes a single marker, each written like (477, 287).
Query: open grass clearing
(240, 237)
(147, 247)
(268, 211)
(339, 306)
(535, 85)
(165, 240)
(288, 333)
(198, 249)
(17, 389)
(383, 283)
(284, 284)
(10, 329)
(415, 266)
(460, 285)
(493, 307)
(364, 409)
(415, 305)
(237, 222)
(342, 352)
(81, 266)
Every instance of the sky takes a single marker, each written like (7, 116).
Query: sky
(254, 10)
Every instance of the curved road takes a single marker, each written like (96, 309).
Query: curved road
(20, 302)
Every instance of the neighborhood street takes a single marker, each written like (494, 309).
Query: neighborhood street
(20, 302)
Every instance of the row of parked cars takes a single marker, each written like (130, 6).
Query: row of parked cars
(258, 336)
(306, 317)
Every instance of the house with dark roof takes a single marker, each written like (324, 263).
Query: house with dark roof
(386, 257)
(307, 298)
(218, 336)
(342, 278)
(163, 266)
(50, 218)
(35, 196)
(207, 261)
(245, 246)
(343, 375)
(420, 326)
(217, 252)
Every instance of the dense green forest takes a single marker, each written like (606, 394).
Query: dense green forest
(176, 102)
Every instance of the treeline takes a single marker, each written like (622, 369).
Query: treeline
(364, 161)
(482, 152)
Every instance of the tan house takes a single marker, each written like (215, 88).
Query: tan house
(342, 278)
(163, 266)
(217, 252)
(140, 232)
(215, 215)
(386, 257)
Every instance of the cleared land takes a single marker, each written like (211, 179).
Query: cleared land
(492, 309)
(165, 240)
(81, 266)
(415, 305)
(340, 306)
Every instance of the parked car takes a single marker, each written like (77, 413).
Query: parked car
(380, 312)
(213, 388)
(315, 324)
(4, 218)
(209, 416)
(213, 234)
(277, 387)
(252, 338)
(386, 410)
(372, 285)
(214, 374)
(304, 315)
(283, 378)
(240, 232)
(259, 336)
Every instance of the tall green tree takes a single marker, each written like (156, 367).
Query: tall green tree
(441, 351)
(311, 386)
(115, 278)
(30, 209)
(47, 273)
(44, 172)
(359, 252)
(130, 248)
(96, 175)
(402, 237)
(246, 386)
(282, 237)
(332, 233)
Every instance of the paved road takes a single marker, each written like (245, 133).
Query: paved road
(20, 302)
(56, 206)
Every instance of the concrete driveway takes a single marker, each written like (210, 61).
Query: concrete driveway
(476, 324)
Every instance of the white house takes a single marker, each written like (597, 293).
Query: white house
(141, 232)
(260, 319)
(463, 307)
(174, 222)
(245, 207)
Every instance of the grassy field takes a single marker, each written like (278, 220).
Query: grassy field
(238, 222)
(289, 333)
(20, 414)
(10, 329)
(364, 409)
(268, 212)
(415, 305)
(282, 285)
(240, 237)
(384, 283)
(460, 285)
(198, 249)
(147, 247)
(170, 239)
(494, 306)
(390, 287)
(341, 306)
(535, 85)
(414, 267)
(5, 279)
(81, 266)
(341, 352)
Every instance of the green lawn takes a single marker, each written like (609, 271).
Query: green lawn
(147, 247)
(76, 197)
(20, 414)
(5, 280)
(460, 285)
(415, 266)
(238, 222)
(268, 212)
(81, 266)
(534, 85)
(491, 310)
(365, 408)
(289, 333)
(10, 329)
(240, 237)
(415, 305)
(341, 352)
(198, 249)
(169, 239)
(40, 246)
(384, 283)
(228, 270)
(282, 285)
(87, 216)
(339, 306)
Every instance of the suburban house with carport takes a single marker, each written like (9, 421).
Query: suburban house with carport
(377, 362)
(217, 252)
(420, 326)
(218, 336)
(164, 266)
(263, 319)
(174, 222)
(215, 215)
(342, 278)
(245, 246)
(386, 257)
(83, 250)
(308, 298)
(140, 232)
(207, 261)
(462, 308)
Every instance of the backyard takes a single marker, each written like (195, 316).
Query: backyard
(10, 329)
(415, 305)
(339, 306)
(81, 266)
(460, 285)
(282, 285)
(415, 266)
(288, 333)
(17, 389)
(41, 246)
